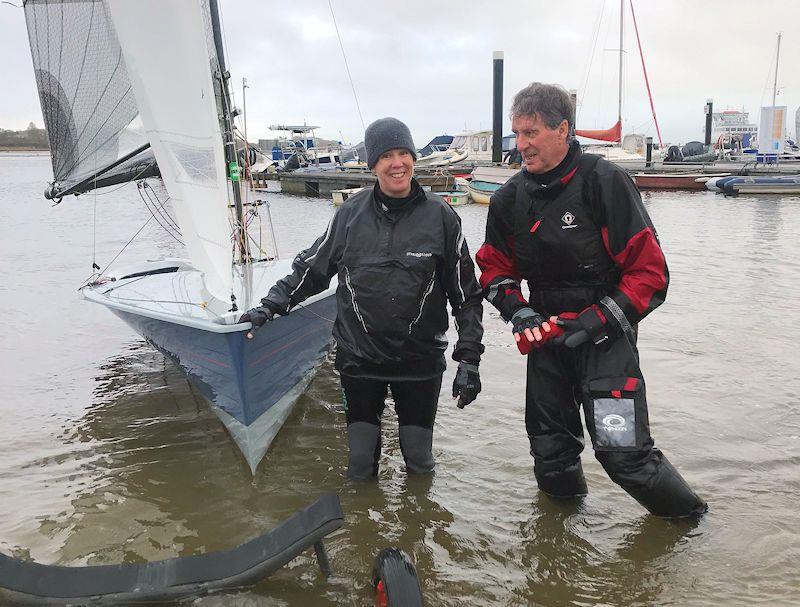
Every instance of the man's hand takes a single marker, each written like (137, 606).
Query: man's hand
(591, 324)
(467, 384)
(532, 330)
(258, 317)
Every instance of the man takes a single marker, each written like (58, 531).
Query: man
(400, 256)
(573, 226)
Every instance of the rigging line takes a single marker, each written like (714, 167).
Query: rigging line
(591, 58)
(165, 214)
(85, 282)
(171, 228)
(153, 213)
(307, 309)
(347, 67)
(258, 246)
(646, 80)
(152, 210)
(769, 74)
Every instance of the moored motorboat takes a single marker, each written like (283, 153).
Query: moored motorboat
(673, 181)
(757, 184)
(340, 196)
(494, 174)
(455, 198)
(481, 191)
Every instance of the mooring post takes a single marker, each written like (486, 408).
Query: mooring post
(497, 108)
(709, 114)
(649, 157)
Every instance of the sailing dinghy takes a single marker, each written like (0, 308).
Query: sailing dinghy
(120, 79)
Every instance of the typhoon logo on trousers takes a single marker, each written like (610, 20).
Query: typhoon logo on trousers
(614, 423)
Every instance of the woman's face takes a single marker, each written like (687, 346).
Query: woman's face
(394, 171)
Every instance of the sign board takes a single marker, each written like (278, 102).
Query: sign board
(772, 130)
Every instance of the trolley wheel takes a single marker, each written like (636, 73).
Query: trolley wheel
(395, 580)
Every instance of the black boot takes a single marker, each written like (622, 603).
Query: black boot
(416, 443)
(667, 495)
(365, 447)
(561, 482)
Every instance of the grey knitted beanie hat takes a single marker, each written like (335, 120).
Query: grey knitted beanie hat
(387, 134)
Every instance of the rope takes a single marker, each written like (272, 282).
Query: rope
(173, 226)
(127, 244)
(346, 66)
(585, 85)
(86, 281)
(314, 313)
(646, 81)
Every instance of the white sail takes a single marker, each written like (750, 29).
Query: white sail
(169, 55)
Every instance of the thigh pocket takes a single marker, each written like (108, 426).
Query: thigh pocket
(614, 413)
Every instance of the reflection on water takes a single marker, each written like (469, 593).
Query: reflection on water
(109, 456)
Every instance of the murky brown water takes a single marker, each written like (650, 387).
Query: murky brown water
(107, 457)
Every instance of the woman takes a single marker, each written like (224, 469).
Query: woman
(400, 256)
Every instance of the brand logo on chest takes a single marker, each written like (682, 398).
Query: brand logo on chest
(568, 219)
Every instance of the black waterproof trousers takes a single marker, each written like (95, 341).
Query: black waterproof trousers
(607, 383)
(415, 403)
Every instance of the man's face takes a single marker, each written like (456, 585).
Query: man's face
(394, 170)
(542, 148)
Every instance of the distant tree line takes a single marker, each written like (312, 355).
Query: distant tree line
(32, 138)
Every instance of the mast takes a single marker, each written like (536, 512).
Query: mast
(229, 141)
(777, 60)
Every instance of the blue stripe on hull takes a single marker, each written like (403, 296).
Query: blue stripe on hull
(245, 377)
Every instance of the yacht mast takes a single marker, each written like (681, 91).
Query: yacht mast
(777, 60)
(234, 171)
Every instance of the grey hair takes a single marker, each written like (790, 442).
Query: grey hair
(550, 102)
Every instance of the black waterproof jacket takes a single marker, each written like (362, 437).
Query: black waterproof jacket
(396, 271)
(583, 238)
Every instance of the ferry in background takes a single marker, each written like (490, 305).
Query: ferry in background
(732, 122)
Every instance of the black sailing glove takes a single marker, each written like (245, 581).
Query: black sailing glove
(467, 384)
(258, 317)
(592, 324)
(526, 320)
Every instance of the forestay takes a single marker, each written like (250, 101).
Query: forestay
(169, 51)
(88, 106)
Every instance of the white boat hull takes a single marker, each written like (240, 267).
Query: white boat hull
(251, 384)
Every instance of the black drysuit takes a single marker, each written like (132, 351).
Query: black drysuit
(397, 269)
(583, 238)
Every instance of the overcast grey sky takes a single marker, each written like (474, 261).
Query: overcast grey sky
(429, 63)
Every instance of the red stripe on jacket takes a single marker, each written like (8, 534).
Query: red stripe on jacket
(494, 263)
(643, 268)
